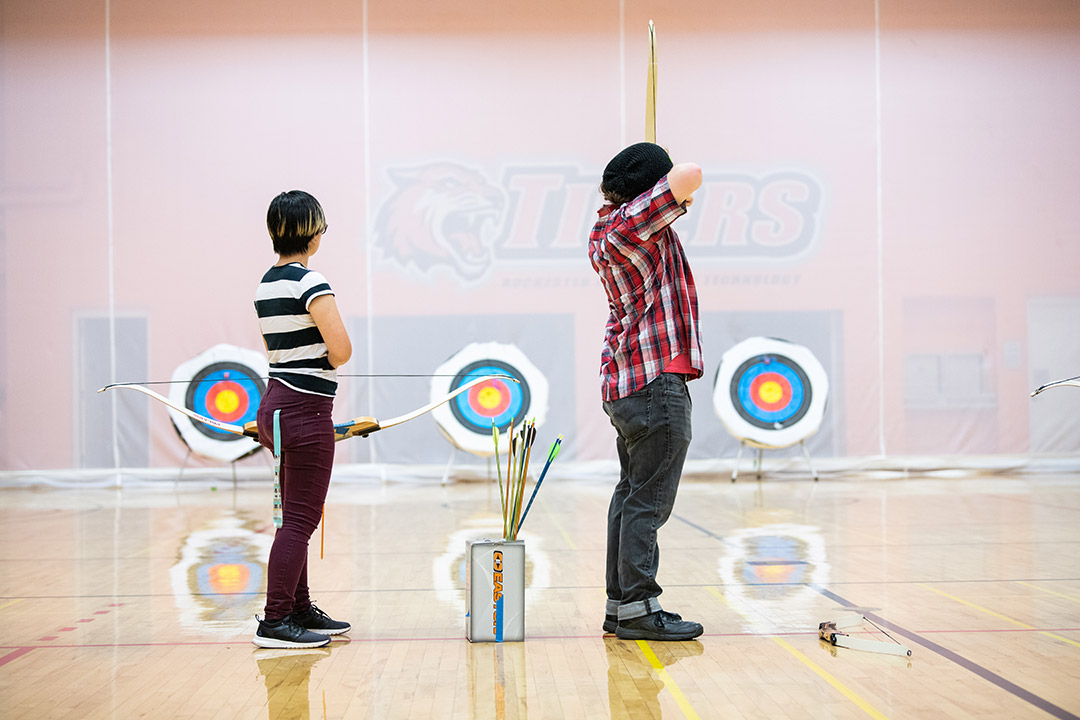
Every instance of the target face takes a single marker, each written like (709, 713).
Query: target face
(225, 391)
(224, 383)
(770, 393)
(467, 419)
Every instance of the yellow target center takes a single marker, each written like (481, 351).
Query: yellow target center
(770, 392)
(227, 401)
(489, 398)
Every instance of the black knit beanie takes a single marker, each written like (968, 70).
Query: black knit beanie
(635, 170)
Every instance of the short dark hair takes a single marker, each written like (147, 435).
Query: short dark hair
(294, 219)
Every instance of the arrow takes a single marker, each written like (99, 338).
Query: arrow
(552, 454)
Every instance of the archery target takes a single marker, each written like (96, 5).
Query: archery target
(224, 383)
(466, 420)
(770, 393)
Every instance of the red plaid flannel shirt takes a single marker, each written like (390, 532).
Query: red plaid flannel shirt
(650, 290)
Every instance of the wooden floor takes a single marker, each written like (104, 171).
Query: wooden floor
(139, 603)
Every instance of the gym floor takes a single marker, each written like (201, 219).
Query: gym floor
(139, 603)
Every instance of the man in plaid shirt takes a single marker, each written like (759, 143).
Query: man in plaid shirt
(652, 347)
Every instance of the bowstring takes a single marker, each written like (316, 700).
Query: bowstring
(882, 630)
(267, 377)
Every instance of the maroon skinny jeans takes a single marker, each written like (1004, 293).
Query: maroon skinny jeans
(307, 457)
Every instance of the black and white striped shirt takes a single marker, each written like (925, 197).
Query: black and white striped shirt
(297, 352)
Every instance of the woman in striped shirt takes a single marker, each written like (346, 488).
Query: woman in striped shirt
(306, 342)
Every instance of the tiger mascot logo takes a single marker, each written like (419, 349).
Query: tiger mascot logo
(440, 215)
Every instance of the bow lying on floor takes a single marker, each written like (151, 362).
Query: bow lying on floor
(362, 425)
(829, 631)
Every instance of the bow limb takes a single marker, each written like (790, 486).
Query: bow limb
(443, 400)
(234, 429)
(367, 425)
(362, 425)
(1074, 381)
(650, 89)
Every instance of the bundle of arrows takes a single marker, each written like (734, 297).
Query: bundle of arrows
(517, 469)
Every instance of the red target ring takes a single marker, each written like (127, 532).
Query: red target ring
(227, 401)
(490, 399)
(771, 392)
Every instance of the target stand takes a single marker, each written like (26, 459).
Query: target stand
(770, 394)
(466, 420)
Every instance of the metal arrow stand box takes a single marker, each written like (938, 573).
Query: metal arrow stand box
(495, 590)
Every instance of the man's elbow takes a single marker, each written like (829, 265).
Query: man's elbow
(684, 179)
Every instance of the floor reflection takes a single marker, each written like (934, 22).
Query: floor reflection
(219, 580)
(634, 685)
(766, 570)
(287, 674)
(448, 568)
(497, 680)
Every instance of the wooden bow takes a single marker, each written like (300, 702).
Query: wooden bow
(650, 89)
(362, 425)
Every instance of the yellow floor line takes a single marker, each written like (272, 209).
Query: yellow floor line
(669, 682)
(555, 519)
(990, 612)
(1051, 592)
(820, 671)
(9, 603)
(827, 677)
(719, 595)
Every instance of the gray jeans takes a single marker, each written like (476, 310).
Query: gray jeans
(653, 426)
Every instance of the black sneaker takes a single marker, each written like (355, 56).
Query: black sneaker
(315, 619)
(611, 622)
(658, 626)
(286, 634)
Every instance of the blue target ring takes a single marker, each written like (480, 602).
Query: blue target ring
(244, 390)
(513, 405)
(751, 404)
(795, 399)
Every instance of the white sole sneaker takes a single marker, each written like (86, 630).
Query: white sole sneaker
(266, 642)
(287, 634)
(324, 631)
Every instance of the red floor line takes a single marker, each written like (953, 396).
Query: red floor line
(19, 649)
(14, 655)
